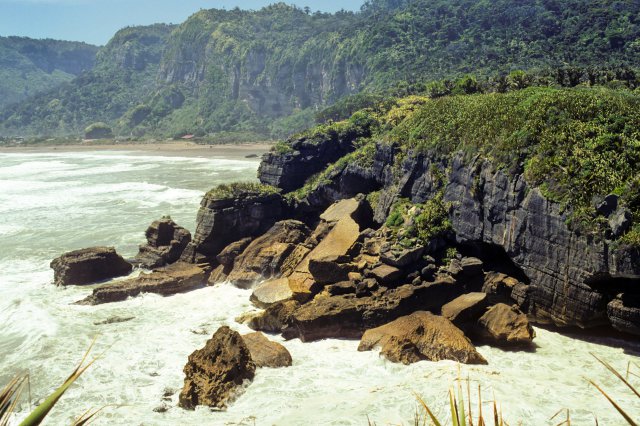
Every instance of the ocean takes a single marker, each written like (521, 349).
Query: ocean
(53, 202)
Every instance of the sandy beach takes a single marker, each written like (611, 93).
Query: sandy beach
(182, 149)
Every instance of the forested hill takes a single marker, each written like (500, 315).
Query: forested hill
(269, 71)
(29, 66)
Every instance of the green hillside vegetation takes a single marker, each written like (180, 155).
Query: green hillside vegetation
(573, 143)
(268, 72)
(29, 67)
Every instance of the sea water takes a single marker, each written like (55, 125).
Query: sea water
(51, 203)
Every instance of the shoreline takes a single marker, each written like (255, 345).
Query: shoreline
(182, 149)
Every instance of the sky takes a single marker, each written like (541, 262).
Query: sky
(95, 21)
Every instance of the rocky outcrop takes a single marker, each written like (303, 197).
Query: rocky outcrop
(275, 318)
(306, 157)
(466, 309)
(266, 353)
(497, 209)
(421, 336)
(176, 278)
(348, 316)
(223, 221)
(215, 373)
(624, 313)
(264, 256)
(504, 325)
(166, 241)
(88, 266)
(270, 292)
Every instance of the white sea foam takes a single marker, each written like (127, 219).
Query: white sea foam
(330, 383)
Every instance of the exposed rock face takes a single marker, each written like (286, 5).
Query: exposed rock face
(465, 309)
(492, 207)
(624, 313)
(348, 316)
(88, 266)
(223, 221)
(214, 373)
(266, 353)
(421, 336)
(166, 241)
(229, 254)
(263, 258)
(505, 325)
(331, 269)
(175, 278)
(308, 157)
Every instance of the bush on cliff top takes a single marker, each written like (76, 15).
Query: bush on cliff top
(235, 189)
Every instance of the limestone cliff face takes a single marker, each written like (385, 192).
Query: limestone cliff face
(572, 277)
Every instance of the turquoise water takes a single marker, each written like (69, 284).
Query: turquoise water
(52, 203)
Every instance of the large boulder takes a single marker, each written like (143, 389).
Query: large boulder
(421, 336)
(505, 325)
(166, 241)
(264, 256)
(270, 292)
(331, 269)
(275, 318)
(266, 353)
(624, 313)
(228, 216)
(348, 316)
(466, 309)
(88, 266)
(215, 373)
(178, 277)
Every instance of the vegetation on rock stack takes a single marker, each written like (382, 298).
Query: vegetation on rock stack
(266, 72)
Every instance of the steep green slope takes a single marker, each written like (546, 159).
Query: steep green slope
(125, 72)
(268, 71)
(29, 67)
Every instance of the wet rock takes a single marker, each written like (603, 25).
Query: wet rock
(263, 258)
(166, 241)
(163, 408)
(275, 318)
(222, 221)
(88, 266)
(178, 277)
(270, 292)
(218, 275)
(113, 320)
(624, 313)
(466, 309)
(331, 269)
(504, 325)
(228, 255)
(215, 373)
(266, 353)
(421, 336)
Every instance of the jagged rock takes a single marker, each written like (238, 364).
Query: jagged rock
(223, 221)
(620, 222)
(421, 336)
(275, 318)
(263, 258)
(403, 257)
(218, 275)
(505, 325)
(215, 372)
(166, 241)
(266, 353)
(466, 309)
(624, 313)
(113, 320)
(270, 292)
(337, 242)
(499, 287)
(178, 277)
(471, 266)
(607, 205)
(348, 316)
(385, 274)
(331, 269)
(88, 266)
(228, 255)
(341, 288)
